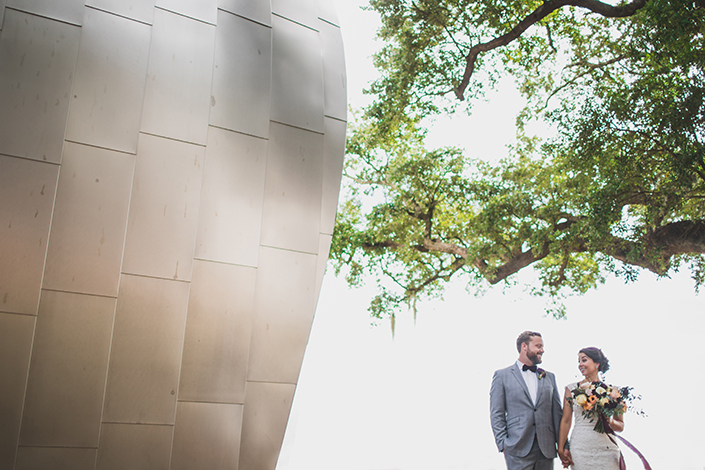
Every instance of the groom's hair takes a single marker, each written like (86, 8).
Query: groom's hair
(525, 337)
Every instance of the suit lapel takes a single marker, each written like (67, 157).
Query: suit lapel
(539, 389)
(517, 375)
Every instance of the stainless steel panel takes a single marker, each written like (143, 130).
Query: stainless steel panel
(106, 100)
(70, 11)
(218, 329)
(293, 190)
(256, 10)
(27, 191)
(326, 11)
(297, 75)
(67, 371)
(90, 215)
(231, 201)
(161, 228)
(207, 436)
(134, 447)
(333, 156)
(242, 75)
(301, 11)
(2, 13)
(204, 10)
(178, 93)
(284, 306)
(322, 262)
(140, 10)
(16, 333)
(267, 408)
(42, 458)
(143, 374)
(37, 60)
(334, 76)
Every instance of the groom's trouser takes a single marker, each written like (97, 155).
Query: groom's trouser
(534, 461)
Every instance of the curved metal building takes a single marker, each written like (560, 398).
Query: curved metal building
(169, 174)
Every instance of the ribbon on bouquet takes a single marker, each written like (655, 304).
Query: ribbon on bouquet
(610, 432)
(636, 451)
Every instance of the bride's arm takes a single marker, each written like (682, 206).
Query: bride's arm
(565, 427)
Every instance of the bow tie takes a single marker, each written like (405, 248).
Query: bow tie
(531, 368)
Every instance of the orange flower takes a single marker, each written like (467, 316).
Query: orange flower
(624, 407)
(588, 407)
(591, 400)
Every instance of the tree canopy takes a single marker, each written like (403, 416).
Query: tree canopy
(620, 188)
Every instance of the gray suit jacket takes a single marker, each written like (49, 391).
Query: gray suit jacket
(515, 419)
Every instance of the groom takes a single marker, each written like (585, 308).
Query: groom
(525, 409)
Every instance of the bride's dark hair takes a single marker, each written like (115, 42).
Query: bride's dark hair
(597, 356)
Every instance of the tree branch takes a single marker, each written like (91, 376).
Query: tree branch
(442, 247)
(537, 15)
(654, 252)
(561, 272)
(550, 39)
(516, 264)
(574, 80)
(444, 274)
(380, 245)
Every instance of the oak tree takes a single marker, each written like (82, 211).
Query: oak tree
(620, 187)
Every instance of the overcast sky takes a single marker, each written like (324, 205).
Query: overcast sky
(420, 400)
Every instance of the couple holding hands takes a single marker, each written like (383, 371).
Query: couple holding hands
(531, 419)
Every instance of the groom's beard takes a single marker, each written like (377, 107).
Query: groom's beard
(534, 358)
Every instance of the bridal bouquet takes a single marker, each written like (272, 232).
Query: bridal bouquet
(600, 401)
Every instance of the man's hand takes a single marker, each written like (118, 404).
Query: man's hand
(566, 458)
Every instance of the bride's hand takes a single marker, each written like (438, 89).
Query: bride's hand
(617, 425)
(566, 458)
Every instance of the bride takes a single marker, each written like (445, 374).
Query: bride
(589, 449)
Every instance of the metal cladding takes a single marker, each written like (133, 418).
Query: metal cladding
(169, 174)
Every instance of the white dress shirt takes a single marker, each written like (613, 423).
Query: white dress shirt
(532, 381)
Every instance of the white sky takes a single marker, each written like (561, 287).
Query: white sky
(420, 400)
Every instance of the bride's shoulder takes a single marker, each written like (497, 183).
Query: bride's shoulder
(572, 385)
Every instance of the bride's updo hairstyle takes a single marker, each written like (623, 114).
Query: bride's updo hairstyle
(597, 356)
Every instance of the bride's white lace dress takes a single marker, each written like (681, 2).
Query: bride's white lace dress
(590, 449)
